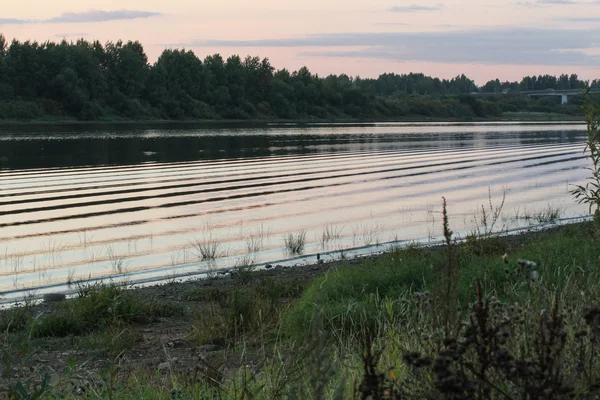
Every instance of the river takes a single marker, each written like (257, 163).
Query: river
(145, 203)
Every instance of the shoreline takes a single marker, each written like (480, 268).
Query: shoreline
(262, 122)
(283, 269)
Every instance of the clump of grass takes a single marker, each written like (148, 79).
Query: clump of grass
(14, 319)
(99, 306)
(550, 214)
(238, 312)
(202, 294)
(481, 246)
(118, 264)
(295, 242)
(207, 249)
(250, 307)
(366, 233)
(330, 233)
(255, 241)
(111, 341)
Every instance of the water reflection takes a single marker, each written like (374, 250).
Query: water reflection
(34, 146)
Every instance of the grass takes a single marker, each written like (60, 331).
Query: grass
(330, 233)
(99, 306)
(551, 213)
(15, 319)
(208, 248)
(295, 242)
(255, 240)
(374, 293)
(363, 330)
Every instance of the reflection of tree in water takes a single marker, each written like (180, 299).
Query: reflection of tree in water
(42, 147)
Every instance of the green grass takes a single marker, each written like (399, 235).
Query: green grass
(14, 319)
(313, 336)
(251, 306)
(365, 296)
(100, 306)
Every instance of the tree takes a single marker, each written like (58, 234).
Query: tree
(3, 45)
(86, 80)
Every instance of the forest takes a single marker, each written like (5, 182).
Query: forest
(86, 80)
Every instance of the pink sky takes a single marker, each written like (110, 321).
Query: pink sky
(483, 39)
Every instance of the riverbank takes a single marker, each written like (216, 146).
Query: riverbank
(508, 117)
(295, 330)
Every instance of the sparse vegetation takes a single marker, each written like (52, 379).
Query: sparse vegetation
(295, 242)
(208, 248)
(329, 234)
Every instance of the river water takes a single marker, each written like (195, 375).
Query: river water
(145, 202)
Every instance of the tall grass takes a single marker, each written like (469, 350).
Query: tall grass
(207, 248)
(295, 242)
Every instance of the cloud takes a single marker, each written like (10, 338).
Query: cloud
(415, 8)
(10, 21)
(498, 46)
(392, 23)
(543, 3)
(579, 19)
(85, 16)
(70, 35)
(556, 2)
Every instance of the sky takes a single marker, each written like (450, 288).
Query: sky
(483, 39)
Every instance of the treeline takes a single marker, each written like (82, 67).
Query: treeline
(541, 82)
(88, 81)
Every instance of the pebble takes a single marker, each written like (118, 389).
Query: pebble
(178, 343)
(164, 366)
(48, 297)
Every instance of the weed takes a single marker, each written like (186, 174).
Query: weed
(118, 264)
(330, 233)
(489, 216)
(550, 214)
(295, 243)
(208, 248)
(255, 241)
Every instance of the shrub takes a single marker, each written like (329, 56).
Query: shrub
(590, 192)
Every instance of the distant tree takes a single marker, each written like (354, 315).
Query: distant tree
(88, 80)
